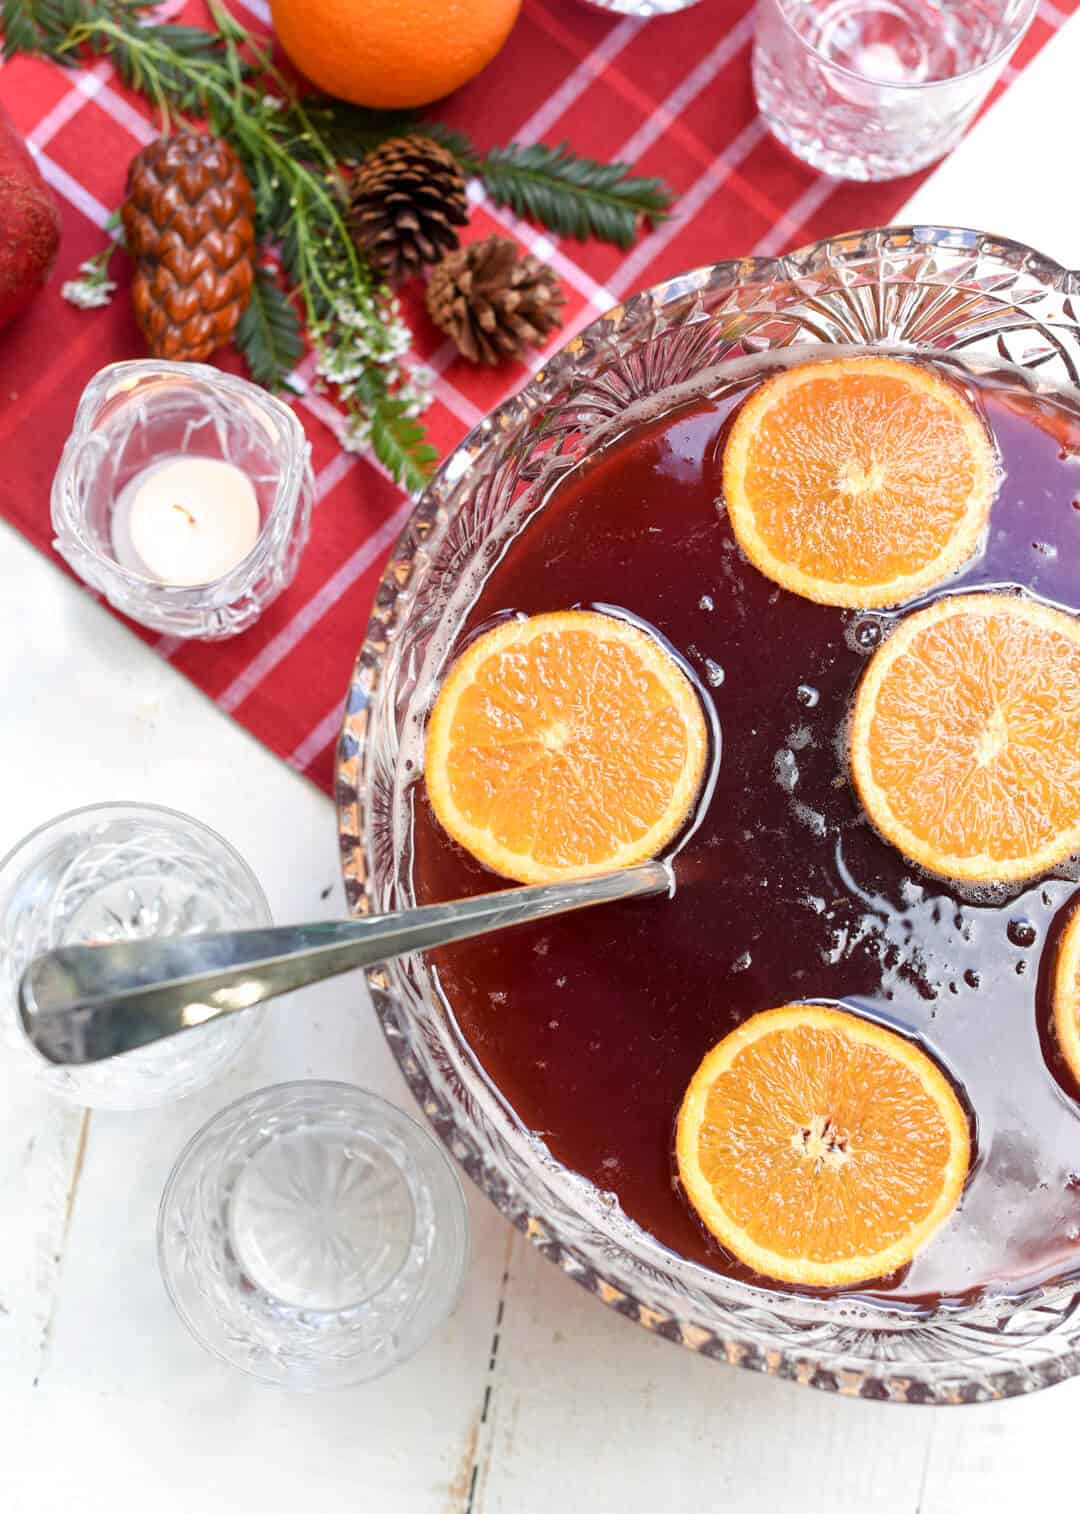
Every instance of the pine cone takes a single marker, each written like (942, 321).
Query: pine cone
(493, 300)
(189, 226)
(407, 197)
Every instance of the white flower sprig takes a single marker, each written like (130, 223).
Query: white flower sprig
(367, 328)
(94, 288)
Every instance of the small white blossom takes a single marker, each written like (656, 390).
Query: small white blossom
(356, 433)
(415, 391)
(341, 364)
(88, 294)
(423, 377)
(394, 340)
(350, 315)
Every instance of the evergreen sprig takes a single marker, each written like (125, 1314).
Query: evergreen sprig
(297, 151)
(571, 195)
(269, 332)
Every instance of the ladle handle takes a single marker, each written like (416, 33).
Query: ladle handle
(85, 1003)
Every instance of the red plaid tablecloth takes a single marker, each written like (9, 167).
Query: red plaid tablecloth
(672, 96)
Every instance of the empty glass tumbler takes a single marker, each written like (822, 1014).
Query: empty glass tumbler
(313, 1235)
(123, 872)
(874, 89)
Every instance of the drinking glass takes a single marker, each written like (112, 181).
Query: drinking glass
(313, 1235)
(114, 872)
(874, 89)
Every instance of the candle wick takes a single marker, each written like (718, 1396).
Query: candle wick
(186, 514)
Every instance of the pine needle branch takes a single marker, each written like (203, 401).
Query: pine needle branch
(571, 195)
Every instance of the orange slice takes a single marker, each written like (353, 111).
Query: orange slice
(1067, 994)
(965, 737)
(820, 1148)
(563, 745)
(858, 481)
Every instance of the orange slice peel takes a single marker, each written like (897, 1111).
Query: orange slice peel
(965, 737)
(858, 481)
(1067, 994)
(820, 1148)
(564, 745)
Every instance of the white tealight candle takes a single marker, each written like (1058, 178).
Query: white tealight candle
(186, 520)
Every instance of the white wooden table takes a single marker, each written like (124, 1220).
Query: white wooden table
(533, 1398)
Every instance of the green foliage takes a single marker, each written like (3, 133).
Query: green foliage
(398, 442)
(573, 196)
(37, 26)
(168, 63)
(269, 334)
(293, 149)
(59, 28)
(453, 140)
(348, 132)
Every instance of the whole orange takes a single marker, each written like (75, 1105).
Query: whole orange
(390, 53)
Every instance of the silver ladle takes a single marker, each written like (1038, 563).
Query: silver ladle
(85, 1003)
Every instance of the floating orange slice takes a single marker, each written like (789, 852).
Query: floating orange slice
(965, 737)
(1067, 994)
(820, 1148)
(563, 745)
(858, 481)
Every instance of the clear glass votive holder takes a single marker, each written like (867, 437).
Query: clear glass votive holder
(875, 89)
(313, 1235)
(115, 872)
(133, 416)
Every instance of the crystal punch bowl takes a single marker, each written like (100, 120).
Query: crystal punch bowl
(921, 288)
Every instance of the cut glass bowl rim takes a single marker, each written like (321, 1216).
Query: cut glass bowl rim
(998, 1349)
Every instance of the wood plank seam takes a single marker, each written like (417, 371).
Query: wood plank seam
(928, 1450)
(468, 1487)
(69, 1209)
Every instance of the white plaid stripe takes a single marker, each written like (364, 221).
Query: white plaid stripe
(319, 737)
(577, 81)
(670, 109)
(259, 9)
(689, 204)
(123, 112)
(87, 82)
(70, 188)
(796, 215)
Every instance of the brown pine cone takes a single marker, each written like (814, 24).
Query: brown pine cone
(494, 300)
(407, 197)
(189, 225)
